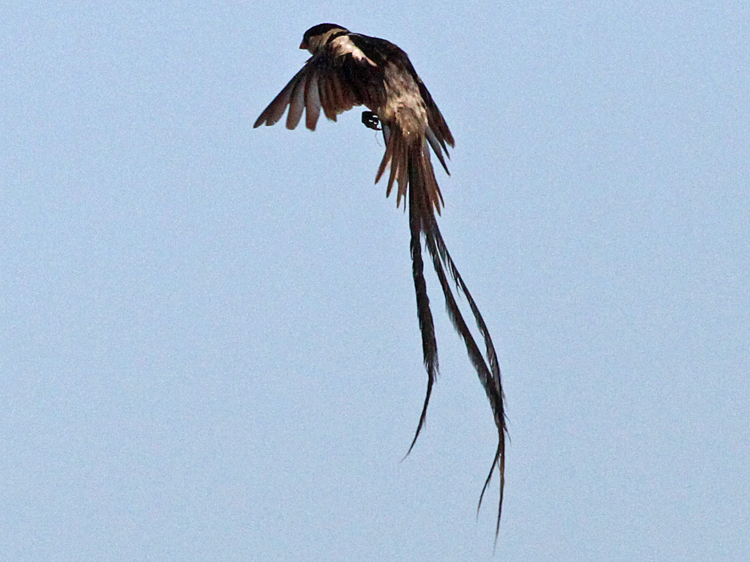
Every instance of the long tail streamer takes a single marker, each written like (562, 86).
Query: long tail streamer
(422, 224)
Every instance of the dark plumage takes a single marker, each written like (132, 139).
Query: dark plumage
(346, 70)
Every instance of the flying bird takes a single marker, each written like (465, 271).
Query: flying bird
(348, 69)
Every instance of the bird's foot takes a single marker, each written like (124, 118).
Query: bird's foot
(371, 120)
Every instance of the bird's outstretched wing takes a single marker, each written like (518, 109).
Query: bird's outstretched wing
(314, 87)
(334, 79)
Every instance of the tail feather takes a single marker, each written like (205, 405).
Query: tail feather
(410, 167)
(426, 325)
(401, 156)
(424, 198)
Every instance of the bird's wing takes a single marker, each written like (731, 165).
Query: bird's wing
(334, 80)
(438, 134)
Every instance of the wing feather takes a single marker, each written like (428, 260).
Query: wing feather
(312, 101)
(276, 108)
(436, 121)
(324, 82)
(297, 103)
(326, 97)
(435, 143)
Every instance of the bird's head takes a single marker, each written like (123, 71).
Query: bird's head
(317, 37)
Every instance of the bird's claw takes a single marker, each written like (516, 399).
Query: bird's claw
(371, 120)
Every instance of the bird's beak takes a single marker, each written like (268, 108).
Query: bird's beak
(303, 45)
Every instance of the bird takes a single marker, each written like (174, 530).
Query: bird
(350, 69)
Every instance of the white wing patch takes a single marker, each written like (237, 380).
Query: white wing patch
(343, 45)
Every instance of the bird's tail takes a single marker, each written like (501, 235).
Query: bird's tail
(410, 165)
(403, 154)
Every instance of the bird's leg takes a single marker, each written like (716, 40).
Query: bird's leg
(371, 120)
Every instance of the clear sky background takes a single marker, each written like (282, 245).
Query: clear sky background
(208, 338)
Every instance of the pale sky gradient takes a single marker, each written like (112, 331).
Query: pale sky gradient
(209, 347)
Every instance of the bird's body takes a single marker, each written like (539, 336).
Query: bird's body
(346, 70)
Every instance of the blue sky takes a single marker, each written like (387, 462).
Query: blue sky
(208, 338)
